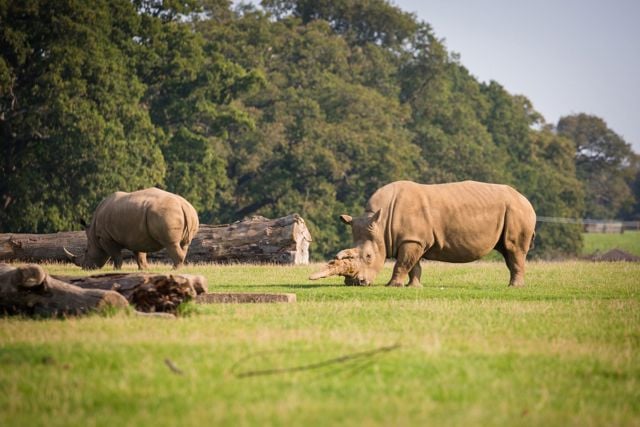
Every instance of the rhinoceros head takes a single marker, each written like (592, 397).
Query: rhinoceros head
(94, 256)
(90, 260)
(361, 264)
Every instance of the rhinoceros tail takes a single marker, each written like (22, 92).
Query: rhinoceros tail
(186, 232)
(533, 238)
(190, 226)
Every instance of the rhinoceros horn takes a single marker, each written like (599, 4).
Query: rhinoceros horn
(335, 267)
(73, 258)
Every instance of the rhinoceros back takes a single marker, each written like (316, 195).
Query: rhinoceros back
(146, 220)
(456, 222)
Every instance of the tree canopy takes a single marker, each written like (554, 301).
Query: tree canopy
(298, 106)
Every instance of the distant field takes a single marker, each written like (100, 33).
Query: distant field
(464, 350)
(628, 241)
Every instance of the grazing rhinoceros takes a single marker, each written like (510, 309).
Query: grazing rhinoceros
(456, 222)
(143, 221)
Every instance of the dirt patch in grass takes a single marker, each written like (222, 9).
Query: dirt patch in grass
(614, 255)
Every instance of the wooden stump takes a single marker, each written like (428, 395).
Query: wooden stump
(243, 297)
(29, 290)
(256, 240)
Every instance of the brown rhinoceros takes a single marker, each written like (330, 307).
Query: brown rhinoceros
(455, 222)
(142, 221)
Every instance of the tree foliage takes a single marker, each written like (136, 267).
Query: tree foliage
(305, 106)
(70, 117)
(605, 164)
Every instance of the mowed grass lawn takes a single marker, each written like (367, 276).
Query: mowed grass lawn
(464, 350)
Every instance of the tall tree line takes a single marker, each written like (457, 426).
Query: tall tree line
(300, 105)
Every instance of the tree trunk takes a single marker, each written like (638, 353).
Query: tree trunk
(29, 290)
(256, 240)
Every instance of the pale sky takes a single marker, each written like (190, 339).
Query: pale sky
(566, 56)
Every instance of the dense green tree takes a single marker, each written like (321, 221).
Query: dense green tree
(510, 120)
(70, 118)
(361, 22)
(540, 165)
(605, 163)
(548, 179)
(191, 90)
(324, 140)
(633, 213)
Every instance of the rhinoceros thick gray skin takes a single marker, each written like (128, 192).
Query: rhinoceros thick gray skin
(142, 221)
(454, 222)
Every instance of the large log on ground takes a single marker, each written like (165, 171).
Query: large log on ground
(29, 290)
(146, 292)
(256, 240)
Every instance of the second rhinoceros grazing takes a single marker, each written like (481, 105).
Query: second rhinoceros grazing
(455, 222)
(142, 221)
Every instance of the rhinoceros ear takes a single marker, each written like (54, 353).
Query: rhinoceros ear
(375, 217)
(346, 219)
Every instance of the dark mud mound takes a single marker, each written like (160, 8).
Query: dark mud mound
(614, 255)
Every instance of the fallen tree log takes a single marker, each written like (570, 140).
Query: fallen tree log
(255, 240)
(146, 292)
(29, 290)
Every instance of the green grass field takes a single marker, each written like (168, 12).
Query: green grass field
(565, 350)
(601, 242)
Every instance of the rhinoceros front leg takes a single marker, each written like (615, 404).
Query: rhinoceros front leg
(407, 263)
(141, 259)
(114, 250)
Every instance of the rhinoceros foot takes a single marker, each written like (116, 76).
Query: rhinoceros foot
(394, 284)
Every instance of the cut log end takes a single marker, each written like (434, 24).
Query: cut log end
(31, 275)
(112, 299)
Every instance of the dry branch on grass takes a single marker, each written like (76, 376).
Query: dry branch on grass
(360, 357)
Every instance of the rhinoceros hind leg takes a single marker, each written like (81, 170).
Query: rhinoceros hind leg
(515, 263)
(177, 254)
(141, 259)
(414, 276)
(409, 255)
